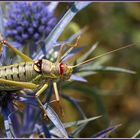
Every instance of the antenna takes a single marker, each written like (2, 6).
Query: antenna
(104, 54)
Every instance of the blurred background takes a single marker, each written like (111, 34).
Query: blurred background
(115, 95)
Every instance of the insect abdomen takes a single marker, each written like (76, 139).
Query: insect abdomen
(22, 72)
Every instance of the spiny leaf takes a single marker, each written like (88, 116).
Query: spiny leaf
(2, 29)
(60, 43)
(76, 131)
(46, 131)
(65, 20)
(98, 100)
(82, 124)
(74, 102)
(99, 62)
(52, 6)
(75, 77)
(104, 133)
(79, 33)
(71, 54)
(108, 68)
(71, 38)
(28, 100)
(15, 44)
(82, 58)
(55, 119)
(76, 123)
(85, 73)
(6, 113)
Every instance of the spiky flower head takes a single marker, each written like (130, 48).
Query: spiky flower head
(29, 21)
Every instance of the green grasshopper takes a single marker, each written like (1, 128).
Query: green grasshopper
(32, 74)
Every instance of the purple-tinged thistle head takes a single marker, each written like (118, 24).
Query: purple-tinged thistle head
(29, 21)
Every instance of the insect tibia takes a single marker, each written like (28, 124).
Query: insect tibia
(104, 54)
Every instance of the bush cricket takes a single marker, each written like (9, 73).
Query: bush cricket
(33, 74)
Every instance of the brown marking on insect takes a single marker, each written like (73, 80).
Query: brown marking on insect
(38, 66)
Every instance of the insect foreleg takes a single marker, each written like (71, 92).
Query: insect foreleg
(22, 55)
(76, 44)
(59, 54)
(45, 86)
(18, 84)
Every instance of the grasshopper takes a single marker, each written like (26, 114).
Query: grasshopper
(33, 74)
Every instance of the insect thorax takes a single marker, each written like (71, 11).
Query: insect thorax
(52, 70)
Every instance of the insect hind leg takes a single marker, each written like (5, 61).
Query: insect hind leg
(22, 55)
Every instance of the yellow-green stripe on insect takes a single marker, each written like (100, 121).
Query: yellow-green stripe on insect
(32, 74)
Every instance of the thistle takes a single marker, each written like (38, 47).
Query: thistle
(29, 23)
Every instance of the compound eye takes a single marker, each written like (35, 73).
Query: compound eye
(37, 66)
